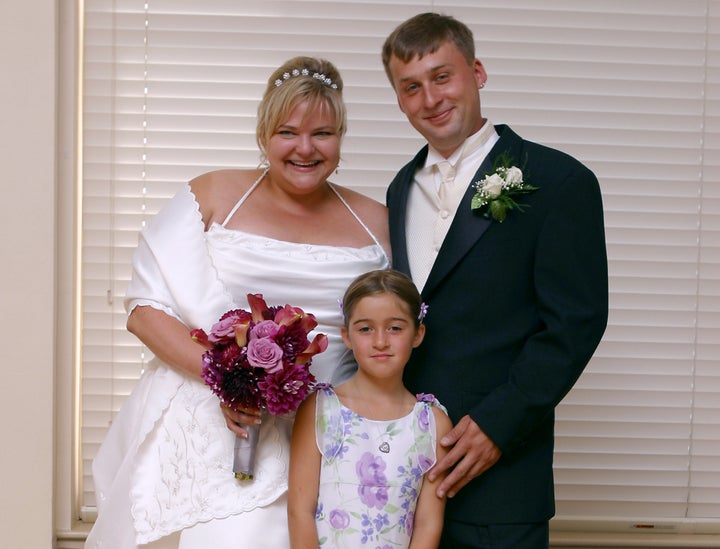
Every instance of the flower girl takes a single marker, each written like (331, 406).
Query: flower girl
(360, 451)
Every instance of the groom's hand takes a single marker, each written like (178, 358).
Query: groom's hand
(471, 454)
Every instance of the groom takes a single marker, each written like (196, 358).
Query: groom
(516, 284)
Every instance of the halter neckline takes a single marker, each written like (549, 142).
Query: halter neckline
(257, 182)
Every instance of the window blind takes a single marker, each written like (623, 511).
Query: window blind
(630, 88)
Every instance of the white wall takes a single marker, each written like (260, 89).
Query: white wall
(27, 272)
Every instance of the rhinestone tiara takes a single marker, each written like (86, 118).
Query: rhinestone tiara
(305, 72)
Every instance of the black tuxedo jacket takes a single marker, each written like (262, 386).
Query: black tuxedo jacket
(516, 310)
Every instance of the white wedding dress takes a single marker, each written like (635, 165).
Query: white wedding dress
(163, 475)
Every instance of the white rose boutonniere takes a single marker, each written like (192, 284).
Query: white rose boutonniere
(494, 196)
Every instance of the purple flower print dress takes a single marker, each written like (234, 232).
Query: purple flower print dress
(371, 473)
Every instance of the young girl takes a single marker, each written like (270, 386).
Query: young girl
(359, 452)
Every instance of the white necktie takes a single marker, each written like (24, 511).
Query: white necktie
(447, 183)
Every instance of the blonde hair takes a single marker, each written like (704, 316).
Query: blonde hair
(279, 100)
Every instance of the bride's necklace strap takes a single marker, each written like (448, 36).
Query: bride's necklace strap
(244, 197)
(357, 217)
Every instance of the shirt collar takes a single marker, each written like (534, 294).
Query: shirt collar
(469, 146)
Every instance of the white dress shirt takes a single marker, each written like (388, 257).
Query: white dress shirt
(434, 197)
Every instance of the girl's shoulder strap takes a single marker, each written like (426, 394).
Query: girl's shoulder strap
(430, 399)
(329, 426)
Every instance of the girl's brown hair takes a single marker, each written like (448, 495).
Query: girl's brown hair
(380, 282)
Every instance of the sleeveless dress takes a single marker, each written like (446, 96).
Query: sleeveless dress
(371, 473)
(163, 475)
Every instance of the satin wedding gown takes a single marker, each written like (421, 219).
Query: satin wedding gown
(163, 475)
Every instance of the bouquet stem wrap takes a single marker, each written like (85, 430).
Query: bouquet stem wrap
(244, 453)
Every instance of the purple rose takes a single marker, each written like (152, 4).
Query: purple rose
(265, 353)
(264, 328)
(225, 327)
(373, 483)
(339, 519)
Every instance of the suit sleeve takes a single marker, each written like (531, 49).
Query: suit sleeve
(570, 284)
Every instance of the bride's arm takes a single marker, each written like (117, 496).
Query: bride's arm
(170, 341)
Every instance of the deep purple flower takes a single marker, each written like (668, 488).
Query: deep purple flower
(286, 389)
(293, 340)
(236, 387)
(230, 356)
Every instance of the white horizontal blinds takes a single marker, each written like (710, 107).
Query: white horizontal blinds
(629, 87)
(704, 501)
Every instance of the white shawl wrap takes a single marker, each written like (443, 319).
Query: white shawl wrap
(151, 478)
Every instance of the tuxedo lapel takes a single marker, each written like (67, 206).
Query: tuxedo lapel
(468, 226)
(397, 200)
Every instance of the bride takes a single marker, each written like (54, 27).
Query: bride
(163, 475)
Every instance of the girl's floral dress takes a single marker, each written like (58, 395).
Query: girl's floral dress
(371, 473)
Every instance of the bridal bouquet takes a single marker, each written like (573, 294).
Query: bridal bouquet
(259, 360)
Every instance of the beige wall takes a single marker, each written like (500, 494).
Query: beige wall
(27, 276)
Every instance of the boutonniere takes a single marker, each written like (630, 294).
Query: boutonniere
(494, 196)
